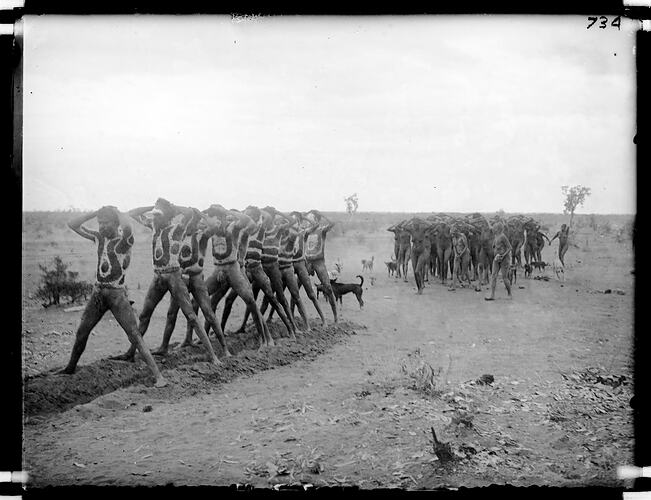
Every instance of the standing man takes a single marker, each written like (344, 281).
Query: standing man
(563, 240)
(168, 233)
(270, 252)
(461, 257)
(255, 273)
(114, 242)
(300, 267)
(191, 258)
(227, 274)
(288, 234)
(501, 261)
(315, 253)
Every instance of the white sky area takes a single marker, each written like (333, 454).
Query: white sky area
(422, 113)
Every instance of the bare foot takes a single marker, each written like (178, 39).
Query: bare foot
(227, 353)
(160, 382)
(123, 357)
(451, 289)
(161, 351)
(216, 361)
(64, 371)
(489, 298)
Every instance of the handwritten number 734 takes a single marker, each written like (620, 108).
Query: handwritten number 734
(603, 22)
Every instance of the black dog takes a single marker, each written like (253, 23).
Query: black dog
(341, 289)
(527, 270)
(539, 265)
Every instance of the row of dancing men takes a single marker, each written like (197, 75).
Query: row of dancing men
(257, 249)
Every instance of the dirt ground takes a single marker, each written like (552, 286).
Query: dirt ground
(352, 403)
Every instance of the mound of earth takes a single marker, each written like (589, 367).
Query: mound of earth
(48, 392)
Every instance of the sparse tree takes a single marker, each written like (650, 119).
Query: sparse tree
(574, 197)
(351, 204)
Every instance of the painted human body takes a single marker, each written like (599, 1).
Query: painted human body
(314, 249)
(255, 272)
(226, 246)
(191, 259)
(501, 260)
(563, 242)
(421, 247)
(288, 233)
(114, 241)
(461, 257)
(168, 223)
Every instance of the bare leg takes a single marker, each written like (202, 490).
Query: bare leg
(155, 293)
(180, 293)
(261, 279)
(494, 273)
(322, 273)
(125, 316)
(505, 276)
(304, 280)
(276, 280)
(289, 279)
(455, 272)
(200, 293)
(243, 288)
(561, 253)
(95, 309)
(170, 323)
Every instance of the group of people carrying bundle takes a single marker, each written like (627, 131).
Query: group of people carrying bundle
(257, 249)
(441, 241)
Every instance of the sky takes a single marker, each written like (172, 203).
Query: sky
(412, 113)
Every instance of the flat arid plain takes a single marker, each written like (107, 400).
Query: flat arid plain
(353, 403)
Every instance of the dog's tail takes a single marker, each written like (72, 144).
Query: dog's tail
(361, 280)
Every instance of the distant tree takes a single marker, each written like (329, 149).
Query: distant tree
(351, 204)
(574, 197)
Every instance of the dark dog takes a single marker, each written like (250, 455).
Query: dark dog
(341, 289)
(391, 267)
(319, 289)
(539, 265)
(527, 270)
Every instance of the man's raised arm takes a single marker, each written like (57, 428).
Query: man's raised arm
(137, 214)
(76, 225)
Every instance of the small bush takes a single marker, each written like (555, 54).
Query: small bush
(606, 227)
(58, 283)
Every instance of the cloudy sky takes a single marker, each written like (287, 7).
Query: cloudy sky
(427, 113)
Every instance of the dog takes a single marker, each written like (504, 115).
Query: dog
(539, 265)
(559, 269)
(391, 267)
(367, 265)
(341, 289)
(527, 270)
(513, 273)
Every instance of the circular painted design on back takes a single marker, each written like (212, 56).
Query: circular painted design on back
(186, 252)
(175, 248)
(158, 253)
(201, 261)
(104, 267)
